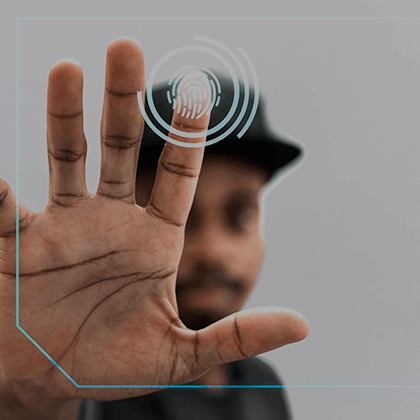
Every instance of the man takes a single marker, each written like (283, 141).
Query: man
(98, 273)
(222, 257)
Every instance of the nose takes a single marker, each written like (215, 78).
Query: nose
(209, 244)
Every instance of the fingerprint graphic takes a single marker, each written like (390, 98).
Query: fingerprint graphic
(191, 100)
(191, 103)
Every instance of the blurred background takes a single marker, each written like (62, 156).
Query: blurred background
(342, 227)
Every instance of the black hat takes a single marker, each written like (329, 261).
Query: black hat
(258, 145)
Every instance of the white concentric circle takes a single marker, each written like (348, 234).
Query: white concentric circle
(231, 110)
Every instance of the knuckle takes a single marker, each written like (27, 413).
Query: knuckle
(65, 116)
(196, 347)
(66, 199)
(237, 337)
(123, 196)
(67, 155)
(187, 125)
(24, 222)
(121, 94)
(119, 142)
(218, 347)
(116, 182)
(180, 170)
(4, 191)
(155, 212)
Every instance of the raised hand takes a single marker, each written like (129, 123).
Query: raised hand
(97, 272)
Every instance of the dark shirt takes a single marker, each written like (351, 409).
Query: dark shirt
(202, 403)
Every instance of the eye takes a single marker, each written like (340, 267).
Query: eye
(241, 217)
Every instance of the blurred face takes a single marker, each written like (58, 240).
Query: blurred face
(224, 246)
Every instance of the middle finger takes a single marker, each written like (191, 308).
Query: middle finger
(122, 123)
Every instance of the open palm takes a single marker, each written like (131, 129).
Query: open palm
(97, 272)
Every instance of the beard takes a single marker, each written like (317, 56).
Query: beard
(206, 278)
(197, 320)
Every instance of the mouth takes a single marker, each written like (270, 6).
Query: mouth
(205, 297)
(198, 320)
(209, 284)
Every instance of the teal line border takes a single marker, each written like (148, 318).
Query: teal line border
(267, 18)
(17, 173)
(18, 19)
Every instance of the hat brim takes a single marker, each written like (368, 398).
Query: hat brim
(272, 155)
(258, 145)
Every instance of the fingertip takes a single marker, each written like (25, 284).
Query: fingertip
(286, 325)
(66, 67)
(125, 66)
(65, 87)
(193, 102)
(298, 326)
(194, 82)
(125, 42)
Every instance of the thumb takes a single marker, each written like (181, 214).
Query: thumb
(8, 211)
(248, 333)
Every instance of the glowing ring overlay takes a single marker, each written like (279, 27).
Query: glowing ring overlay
(228, 116)
(235, 97)
(179, 132)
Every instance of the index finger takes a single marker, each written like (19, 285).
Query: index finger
(179, 167)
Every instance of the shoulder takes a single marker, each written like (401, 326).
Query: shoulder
(257, 371)
(273, 401)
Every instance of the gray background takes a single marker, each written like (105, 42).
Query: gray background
(342, 229)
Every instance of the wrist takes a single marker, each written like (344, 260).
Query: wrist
(17, 403)
(12, 408)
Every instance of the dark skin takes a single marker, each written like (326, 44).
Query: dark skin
(224, 244)
(98, 272)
